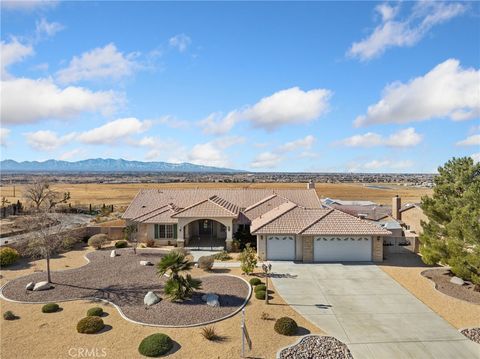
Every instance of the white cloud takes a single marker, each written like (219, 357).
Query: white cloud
(45, 28)
(403, 138)
(46, 140)
(405, 32)
(4, 133)
(73, 154)
(99, 63)
(27, 5)
(447, 91)
(303, 143)
(114, 131)
(475, 157)
(12, 52)
(214, 124)
(208, 154)
(180, 42)
(26, 101)
(473, 140)
(266, 160)
(172, 122)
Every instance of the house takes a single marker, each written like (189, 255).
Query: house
(412, 215)
(289, 224)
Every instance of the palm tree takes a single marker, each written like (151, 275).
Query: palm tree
(178, 286)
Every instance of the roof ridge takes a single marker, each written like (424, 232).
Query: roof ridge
(221, 206)
(150, 212)
(280, 215)
(191, 206)
(154, 215)
(262, 201)
(315, 221)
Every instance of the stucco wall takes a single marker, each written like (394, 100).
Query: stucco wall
(412, 218)
(262, 247)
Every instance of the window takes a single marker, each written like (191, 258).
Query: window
(164, 231)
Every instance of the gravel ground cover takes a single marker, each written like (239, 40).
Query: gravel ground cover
(124, 282)
(441, 277)
(473, 334)
(316, 347)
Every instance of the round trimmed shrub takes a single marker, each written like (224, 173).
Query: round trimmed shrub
(98, 240)
(260, 294)
(286, 326)
(90, 325)
(95, 312)
(155, 345)
(8, 256)
(50, 308)
(121, 244)
(255, 281)
(8, 315)
(260, 287)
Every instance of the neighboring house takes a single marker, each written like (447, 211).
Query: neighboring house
(289, 224)
(412, 215)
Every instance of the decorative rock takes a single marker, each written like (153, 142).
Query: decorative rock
(146, 263)
(151, 299)
(473, 334)
(30, 286)
(211, 299)
(314, 346)
(42, 286)
(113, 253)
(456, 280)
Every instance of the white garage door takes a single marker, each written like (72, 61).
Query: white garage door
(280, 248)
(342, 249)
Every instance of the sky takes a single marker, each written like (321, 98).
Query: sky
(258, 86)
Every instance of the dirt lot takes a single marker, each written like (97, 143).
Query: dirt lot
(122, 194)
(54, 335)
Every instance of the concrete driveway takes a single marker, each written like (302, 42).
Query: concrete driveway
(374, 315)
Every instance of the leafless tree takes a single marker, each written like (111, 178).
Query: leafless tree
(41, 194)
(131, 234)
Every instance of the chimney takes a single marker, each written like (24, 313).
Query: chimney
(311, 185)
(396, 206)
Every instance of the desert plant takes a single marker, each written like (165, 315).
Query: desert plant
(50, 308)
(155, 345)
(8, 315)
(210, 333)
(8, 256)
(255, 281)
(98, 240)
(121, 244)
(180, 250)
(222, 256)
(178, 286)
(150, 243)
(260, 287)
(95, 312)
(90, 325)
(286, 326)
(206, 262)
(248, 259)
(260, 294)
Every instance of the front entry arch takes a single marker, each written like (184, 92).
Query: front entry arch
(205, 234)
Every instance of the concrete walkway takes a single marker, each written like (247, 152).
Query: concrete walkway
(369, 311)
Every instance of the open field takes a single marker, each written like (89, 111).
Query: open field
(122, 194)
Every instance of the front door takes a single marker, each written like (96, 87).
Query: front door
(205, 228)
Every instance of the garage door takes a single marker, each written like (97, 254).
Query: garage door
(280, 248)
(342, 249)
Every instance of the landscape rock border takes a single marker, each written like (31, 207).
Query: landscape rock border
(471, 333)
(301, 340)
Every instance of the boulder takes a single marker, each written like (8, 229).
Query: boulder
(211, 299)
(30, 286)
(146, 263)
(42, 286)
(113, 253)
(458, 281)
(151, 299)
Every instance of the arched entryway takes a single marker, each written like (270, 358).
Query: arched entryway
(205, 234)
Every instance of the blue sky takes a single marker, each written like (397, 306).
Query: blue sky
(312, 86)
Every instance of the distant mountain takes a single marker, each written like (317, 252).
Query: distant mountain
(106, 165)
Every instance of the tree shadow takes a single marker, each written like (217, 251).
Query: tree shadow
(302, 331)
(220, 270)
(404, 260)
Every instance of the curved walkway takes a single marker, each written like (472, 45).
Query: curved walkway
(363, 307)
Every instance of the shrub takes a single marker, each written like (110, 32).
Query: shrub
(206, 262)
(95, 312)
(155, 345)
(222, 256)
(8, 315)
(209, 333)
(150, 243)
(121, 244)
(182, 251)
(286, 326)
(260, 287)
(8, 256)
(50, 308)
(260, 294)
(248, 259)
(98, 240)
(255, 281)
(90, 325)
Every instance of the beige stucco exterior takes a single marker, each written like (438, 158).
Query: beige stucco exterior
(412, 217)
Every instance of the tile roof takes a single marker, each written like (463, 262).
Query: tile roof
(372, 212)
(213, 207)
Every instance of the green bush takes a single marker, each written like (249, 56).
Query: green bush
(286, 326)
(260, 294)
(95, 312)
(8, 315)
(50, 308)
(255, 281)
(155, 345)
(121, 244)
(98, 240)
(260, 287)
(206, 262)
(8, 256)
(90, 325)
(248, 259)
(222, 256)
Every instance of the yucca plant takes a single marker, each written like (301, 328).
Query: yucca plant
(178, 286)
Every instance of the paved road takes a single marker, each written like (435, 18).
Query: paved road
(369, 311)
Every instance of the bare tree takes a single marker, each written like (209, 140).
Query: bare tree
(40, 193)
(131, 234)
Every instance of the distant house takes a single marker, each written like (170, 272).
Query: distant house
(412, 215)
(288, 224)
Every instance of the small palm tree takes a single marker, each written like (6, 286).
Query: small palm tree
(178, 286)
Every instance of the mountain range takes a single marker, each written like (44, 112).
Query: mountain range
(106, 165)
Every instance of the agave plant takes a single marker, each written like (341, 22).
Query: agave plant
(178, 285)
